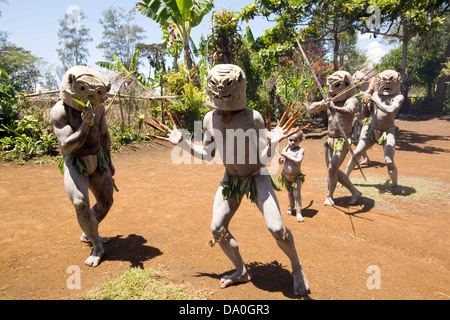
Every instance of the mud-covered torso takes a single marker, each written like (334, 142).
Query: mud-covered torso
(237, 136)
(382, 120)
(344, 119)
(291, 168)
(92, 143)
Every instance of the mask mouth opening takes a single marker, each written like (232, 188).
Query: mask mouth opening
(222, 97)
(386, 89)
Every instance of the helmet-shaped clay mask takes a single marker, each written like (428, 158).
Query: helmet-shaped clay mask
(84, 84)
(226, 88)
(388, 82)
(363, 78)
(338, 82)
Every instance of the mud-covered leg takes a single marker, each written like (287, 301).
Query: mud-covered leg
(223, 211)
(291, 210)
(77, 188)
(297, 195)
(268, 205)
(389, 152)
(102, 187)
(331, 160)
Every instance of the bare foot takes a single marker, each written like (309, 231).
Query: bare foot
(300, 217)
(395, 190)
(94, 258)
(235, 278)
(301, 285)
(84, 238)
(355, 198)
(329, 201)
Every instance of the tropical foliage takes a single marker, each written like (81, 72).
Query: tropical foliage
(276, 73)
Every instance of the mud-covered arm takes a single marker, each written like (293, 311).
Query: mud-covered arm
(282, 156)
(296, 157)
(318, 106)
(205, 151)
(69, 140)
(394, 106)
(349, 106)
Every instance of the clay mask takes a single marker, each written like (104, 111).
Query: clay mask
(338, 82)
(84, 84)
(360, 75)
(388, 83)
(226, 88)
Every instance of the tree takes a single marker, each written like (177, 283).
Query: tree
(73, 37)
(224, 41)
(155, 53)
(350, 58)
(404, 20)
(178, 15)
(120, 36)
(129, 78)
(316, 21)
(21, 66)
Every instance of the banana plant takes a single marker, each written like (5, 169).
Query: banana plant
(127, 75)
(119, 67)
(183, 15)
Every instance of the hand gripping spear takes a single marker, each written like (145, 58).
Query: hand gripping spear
(333, 113)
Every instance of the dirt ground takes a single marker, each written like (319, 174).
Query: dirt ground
(161, 217)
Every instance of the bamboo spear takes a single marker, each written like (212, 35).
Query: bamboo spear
(333, 113)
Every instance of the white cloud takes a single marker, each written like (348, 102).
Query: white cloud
(363, 36)
(375, 51)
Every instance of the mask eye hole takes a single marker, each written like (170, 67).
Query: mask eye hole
(99, 92)
(213, 82)
(337, 86)
(82, 88)
(229, 83)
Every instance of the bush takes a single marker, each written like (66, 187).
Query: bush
(26, 140)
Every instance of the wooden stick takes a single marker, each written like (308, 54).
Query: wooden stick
(168, 113)
(353, 86)
(286, 113)
(166, 128)
(41, 93)
(292, 119)
(157, 98)
(156, 137)
(155, 127)
(299, 129)
(177, 121)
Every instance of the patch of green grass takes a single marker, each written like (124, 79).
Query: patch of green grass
(140, 284)
(416, 191)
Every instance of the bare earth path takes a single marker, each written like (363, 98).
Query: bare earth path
(162, 213)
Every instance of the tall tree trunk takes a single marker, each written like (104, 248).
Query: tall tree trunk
(403, 73)
(442, 86)
(337, 43)
(193, 75)
(187, 57)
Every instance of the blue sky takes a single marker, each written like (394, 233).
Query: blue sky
(33, 25)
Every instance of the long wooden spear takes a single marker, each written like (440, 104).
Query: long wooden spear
(333, 113)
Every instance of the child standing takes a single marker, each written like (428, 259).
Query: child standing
(292, 177)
